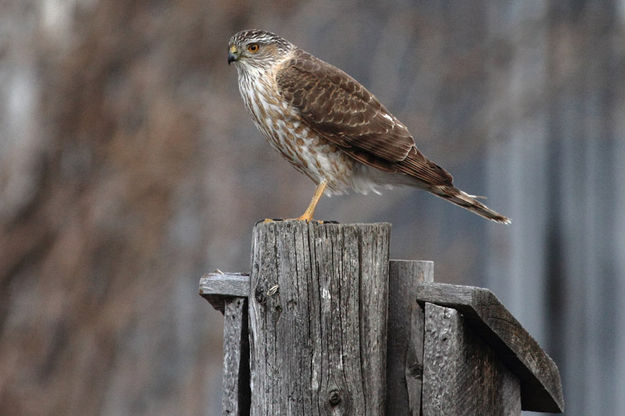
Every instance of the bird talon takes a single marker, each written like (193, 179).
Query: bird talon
(269, 220)
(301, 218)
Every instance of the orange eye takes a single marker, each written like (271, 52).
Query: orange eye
(252, 47)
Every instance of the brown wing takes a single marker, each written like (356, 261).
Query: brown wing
(341, 110)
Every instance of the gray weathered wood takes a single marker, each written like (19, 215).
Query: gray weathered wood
(318, 297)
(541, 388)
(462, 375)
(235, 399)
(216, 288)
(404, 367)
(318, 306)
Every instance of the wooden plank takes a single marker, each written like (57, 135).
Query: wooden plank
(235, 400)
(462, 375)
(226, 284)
(541, 388)
(404, 369)
(216, 288)
(318, 305)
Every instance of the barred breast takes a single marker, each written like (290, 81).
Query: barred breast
(284, 130)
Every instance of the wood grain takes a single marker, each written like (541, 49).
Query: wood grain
(318, 307)
(235, 399)
(217, 288)
(462, 375)
(404, 368)
(541, 388)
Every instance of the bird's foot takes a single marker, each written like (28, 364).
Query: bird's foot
(302, 218)
(306, 216)
(268, 220)
(310, 211)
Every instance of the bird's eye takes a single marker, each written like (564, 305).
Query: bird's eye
(252, 47)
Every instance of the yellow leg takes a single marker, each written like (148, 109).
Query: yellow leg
(308, 214)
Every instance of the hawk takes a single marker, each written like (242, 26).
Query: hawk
(330, 127)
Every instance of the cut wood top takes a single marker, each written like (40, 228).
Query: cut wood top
(215, 286)
(541, 388)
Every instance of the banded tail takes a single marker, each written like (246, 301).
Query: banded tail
(466, 201)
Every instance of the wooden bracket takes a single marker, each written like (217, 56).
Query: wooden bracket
(541, 388)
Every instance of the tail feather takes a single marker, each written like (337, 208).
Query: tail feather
(469, 202)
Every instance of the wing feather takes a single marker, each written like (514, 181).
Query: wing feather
(340, 109)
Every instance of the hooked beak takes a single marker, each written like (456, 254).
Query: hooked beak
(233, 54)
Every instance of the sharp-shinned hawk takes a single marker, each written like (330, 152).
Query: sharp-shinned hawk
(329, 127)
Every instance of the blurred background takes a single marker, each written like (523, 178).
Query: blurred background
(129, 167)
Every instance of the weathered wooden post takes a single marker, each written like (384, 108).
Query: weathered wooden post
(318, 302)
(306, 333)
(405, 340)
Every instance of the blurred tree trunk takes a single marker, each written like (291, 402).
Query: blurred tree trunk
(92, 264)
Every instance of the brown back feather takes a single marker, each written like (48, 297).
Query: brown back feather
(341, 110)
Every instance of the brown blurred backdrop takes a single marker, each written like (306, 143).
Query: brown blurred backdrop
(129, 167)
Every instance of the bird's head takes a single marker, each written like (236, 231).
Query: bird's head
(257, 48)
